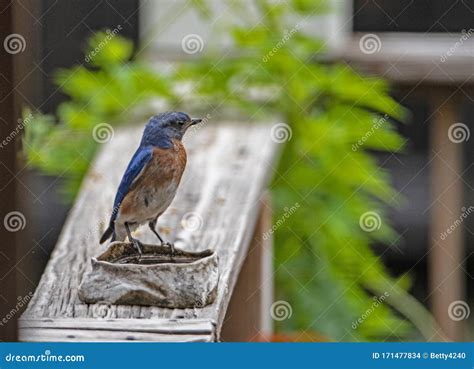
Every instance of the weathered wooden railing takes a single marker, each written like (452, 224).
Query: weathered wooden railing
(223, 188)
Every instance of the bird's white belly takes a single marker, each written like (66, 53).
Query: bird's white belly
(149, 203)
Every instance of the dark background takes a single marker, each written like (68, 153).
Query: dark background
(413, 15)
(423, 16)
(55, 33)
(61, 31)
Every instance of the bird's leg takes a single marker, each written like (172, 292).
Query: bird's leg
(152, 226)
(138, 245)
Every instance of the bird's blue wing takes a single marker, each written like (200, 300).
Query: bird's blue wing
(141, 157)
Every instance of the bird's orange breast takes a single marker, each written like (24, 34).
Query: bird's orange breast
(155, 188)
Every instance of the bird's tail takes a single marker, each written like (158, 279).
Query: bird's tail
(108, 232)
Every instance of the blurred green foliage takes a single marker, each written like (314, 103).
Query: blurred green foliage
(105, 91)
(324, 265)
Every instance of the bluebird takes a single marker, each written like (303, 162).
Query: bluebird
(151, 179)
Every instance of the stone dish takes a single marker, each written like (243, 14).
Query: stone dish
(121, 276)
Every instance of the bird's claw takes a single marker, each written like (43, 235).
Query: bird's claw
(171, 247)
(138, 246)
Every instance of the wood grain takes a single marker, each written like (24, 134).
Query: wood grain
(254, 288)
(228, 168)
(91, 329)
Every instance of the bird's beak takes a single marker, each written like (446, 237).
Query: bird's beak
(195, 121)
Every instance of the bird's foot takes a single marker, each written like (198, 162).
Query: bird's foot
(171, 247)
(138, 246)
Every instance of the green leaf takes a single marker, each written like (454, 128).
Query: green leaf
(107, 48)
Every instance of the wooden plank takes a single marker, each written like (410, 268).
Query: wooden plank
(248, 315)
(83, 329)
(446, 275)
(411, 58)
(165, 326)
(228, 168)
(80, 335)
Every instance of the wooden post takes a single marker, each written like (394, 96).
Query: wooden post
(248, 315)
(8, 295)
(446, 254)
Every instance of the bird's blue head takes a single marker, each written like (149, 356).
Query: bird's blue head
(164, 127)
